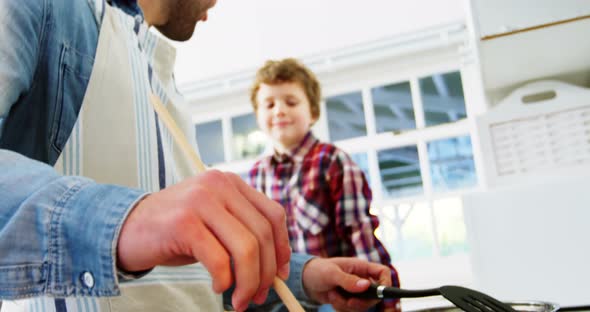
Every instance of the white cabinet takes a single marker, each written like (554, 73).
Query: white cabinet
(526, 40)
(497, 17)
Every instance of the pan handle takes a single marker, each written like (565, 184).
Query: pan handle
(376, 291)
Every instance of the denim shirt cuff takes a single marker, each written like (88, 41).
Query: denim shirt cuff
(85, 229)
(295, 280)
(294, 283)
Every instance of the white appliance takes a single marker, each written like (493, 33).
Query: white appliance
(529, 231)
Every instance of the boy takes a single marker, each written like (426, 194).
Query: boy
(324, 193)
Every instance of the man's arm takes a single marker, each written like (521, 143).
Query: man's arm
(43, 247)
(67, 236)
(57, 234)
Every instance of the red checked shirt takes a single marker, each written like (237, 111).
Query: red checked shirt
(327, 200)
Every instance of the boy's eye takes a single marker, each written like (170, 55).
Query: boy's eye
(269, 104)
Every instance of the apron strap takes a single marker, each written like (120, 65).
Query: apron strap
(97, 7)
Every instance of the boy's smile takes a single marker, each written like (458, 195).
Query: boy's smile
(284, 114)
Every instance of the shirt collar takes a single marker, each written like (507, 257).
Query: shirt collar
(299, 151)
(128, 6)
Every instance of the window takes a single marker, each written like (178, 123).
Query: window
(418, 173)
(451, 164)
(400, 172)
(210, 141)
(404, 231)
(423, 229)
(442, 98)
(362, 161)
(346, 116)
(394, 108)
(451, 237)
(247, 140)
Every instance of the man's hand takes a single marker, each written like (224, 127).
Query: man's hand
(323, 276)
(214, 218)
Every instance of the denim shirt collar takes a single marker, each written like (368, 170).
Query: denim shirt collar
(128, 6)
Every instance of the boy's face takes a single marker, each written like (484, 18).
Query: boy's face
(283, 113)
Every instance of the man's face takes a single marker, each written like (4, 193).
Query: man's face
(176, 19)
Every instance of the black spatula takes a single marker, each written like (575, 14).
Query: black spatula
(466, 299)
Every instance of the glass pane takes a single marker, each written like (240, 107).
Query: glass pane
(451, 164)
(210, 141)
(346, 116)
(362, 160)
(400, 172)
(393, 107)
(450, 224)
(442, 98)
(406, 231)
(247, 140)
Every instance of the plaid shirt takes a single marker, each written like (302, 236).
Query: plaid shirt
(327, 200)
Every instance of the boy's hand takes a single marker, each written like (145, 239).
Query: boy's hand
(214, 218)
(323, 276)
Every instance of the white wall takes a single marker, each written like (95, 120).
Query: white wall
(242, 34)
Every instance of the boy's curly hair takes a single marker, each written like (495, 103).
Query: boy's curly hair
(288, 70)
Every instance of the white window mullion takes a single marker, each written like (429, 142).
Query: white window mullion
(428, 192)
(321, 128)
(370, 120)
(375, 174)
(424, 161)
(227, 131)
(425, 169)
(436, 245)
(417, 102)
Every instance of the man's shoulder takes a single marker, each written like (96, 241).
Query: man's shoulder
(58, 12)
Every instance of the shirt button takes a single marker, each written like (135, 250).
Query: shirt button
(88, 279)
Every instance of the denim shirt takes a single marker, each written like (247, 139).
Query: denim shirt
(51, 238)
(46, 59)
(58, 233)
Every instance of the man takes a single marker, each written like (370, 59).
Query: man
(75, 83)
